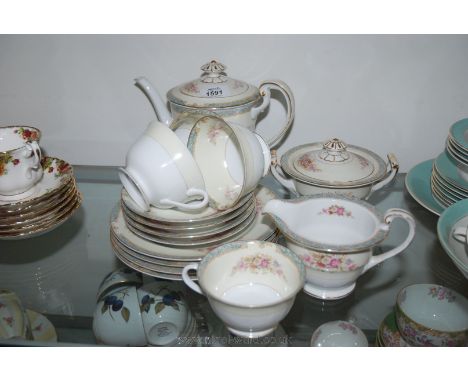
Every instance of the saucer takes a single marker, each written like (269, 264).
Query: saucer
(388, 333)
(418, 184)
(449, 171)
(261, 228)
(42, 329)
(57, 174)
(459, 133)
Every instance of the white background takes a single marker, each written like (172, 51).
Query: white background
(386, 93)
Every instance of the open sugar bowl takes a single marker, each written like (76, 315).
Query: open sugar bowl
(335, 236)
(432, 315)
(250, 285)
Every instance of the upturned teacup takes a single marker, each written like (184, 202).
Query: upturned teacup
(20, 159)
(335, 236)
(118, 278)
(250, 285)
(160, 171)
(338, 333)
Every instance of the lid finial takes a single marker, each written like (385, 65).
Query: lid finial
(334, 150)
(214, 72)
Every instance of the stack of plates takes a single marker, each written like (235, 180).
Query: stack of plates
(50, 203)
(437, 184)
(161, 242)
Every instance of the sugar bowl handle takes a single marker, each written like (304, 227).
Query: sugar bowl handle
(394, 213)
(392, 170)
(187, 280)
(284, 89)
(278, 174)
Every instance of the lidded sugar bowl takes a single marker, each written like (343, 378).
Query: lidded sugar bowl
(334, 167)
(235, 101)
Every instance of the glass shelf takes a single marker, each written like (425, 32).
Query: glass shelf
(58, 273)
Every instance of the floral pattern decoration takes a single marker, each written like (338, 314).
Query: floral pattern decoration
(347, 326)
(336, 210)
(9, 321)
(441, 293)
(363, 162)
(61, 167)
(171, 298)
(191, 87)
(6, 158)
(329, 263)
(27, 134)
(307, 163)
(115, 303)
(259, 264)
(213, 133)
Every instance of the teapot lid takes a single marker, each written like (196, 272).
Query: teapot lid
(213, 89)
(333, 164)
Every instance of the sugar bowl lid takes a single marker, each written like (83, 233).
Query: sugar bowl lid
(214, 89)
(333, 164)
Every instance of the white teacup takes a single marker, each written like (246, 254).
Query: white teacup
(338, 333)
(121, 277)
(160, 171)
(335, 236)
(20, 159)
(164, 312)
(250, 285)
(117, 319)
(231, 158)
(13, 319)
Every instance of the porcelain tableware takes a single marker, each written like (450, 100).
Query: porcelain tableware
(164, 311)
(418, 184)
(251, 286)
(335, 236)
(338, 333)
(117, 320)
(432, 315)
(13, 320)
(450, 171)
(160, 171)
(388, 333)
(231, 159)
(20, 160)
(237, 102)
(459, 133)
(41, 328)
(122, 276)
(455, 218)
(333, 167)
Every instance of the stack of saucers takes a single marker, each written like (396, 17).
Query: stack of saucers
(49, 203)
(161, 242)
(439, 183)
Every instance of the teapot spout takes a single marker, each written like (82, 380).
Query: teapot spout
(159, 107)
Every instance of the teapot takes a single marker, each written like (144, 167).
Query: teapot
(235, 101)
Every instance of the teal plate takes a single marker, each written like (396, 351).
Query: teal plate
(459, 133)
(418, 184)
(449, 171)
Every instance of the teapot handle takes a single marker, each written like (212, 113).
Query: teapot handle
(265, 88)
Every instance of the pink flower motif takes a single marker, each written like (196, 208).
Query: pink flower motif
(334, 263)
(9, 321)
(340, 211)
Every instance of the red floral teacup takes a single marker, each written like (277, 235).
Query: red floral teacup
(20, 159)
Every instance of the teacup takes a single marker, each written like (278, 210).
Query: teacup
(250, 285)
(121, 277)
(338, 333)
(232, 159)
(20, 159)
(160, 171)
(13, 319)
(432, 315)
(164, 312)
(117, 319)
(335, 236)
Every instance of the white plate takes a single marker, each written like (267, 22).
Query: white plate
(261, 229)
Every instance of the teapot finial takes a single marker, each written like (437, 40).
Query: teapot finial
(334, 150)
(214, 72)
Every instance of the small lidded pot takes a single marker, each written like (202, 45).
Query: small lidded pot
(333, 167)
